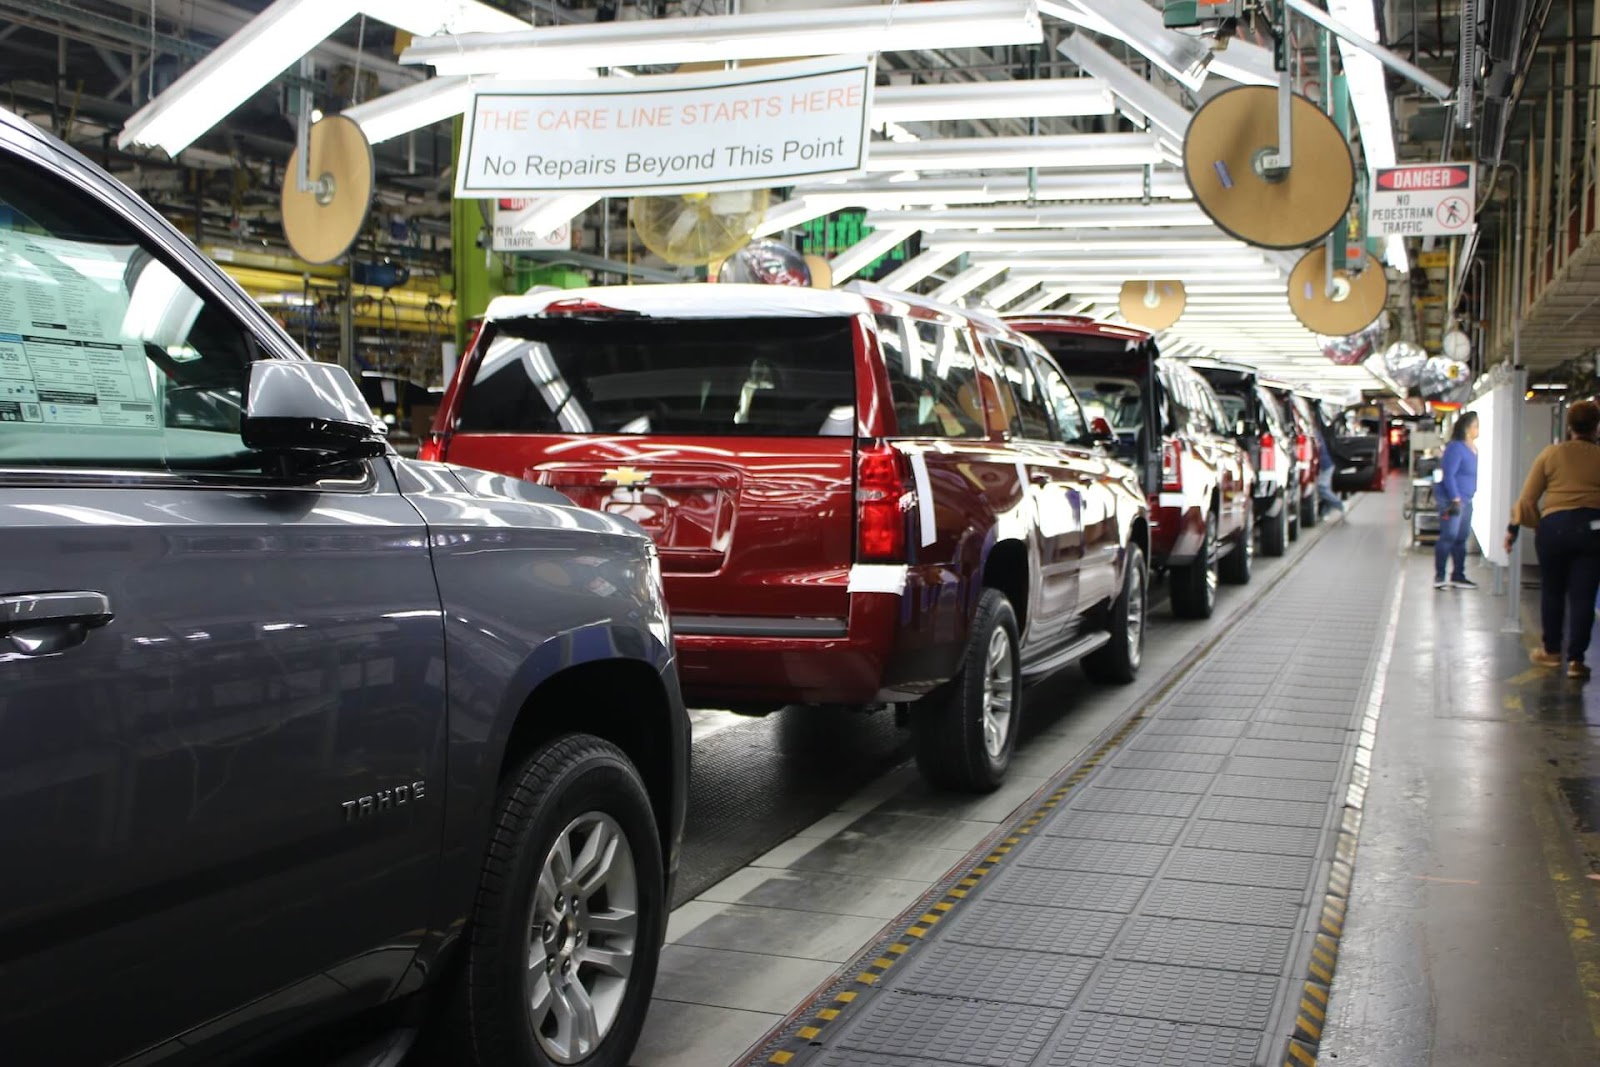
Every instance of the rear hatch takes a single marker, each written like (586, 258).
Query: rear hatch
(730, 440)
(1112, 371)
(1236, 391)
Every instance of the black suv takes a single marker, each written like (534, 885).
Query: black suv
(293, 728)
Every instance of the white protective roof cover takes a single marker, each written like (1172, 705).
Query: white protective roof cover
(692, 301)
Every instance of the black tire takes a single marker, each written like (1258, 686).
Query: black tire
(1310, 511)
(1236, 565)
(1117, 661)
(1275, 534)
(1292, 506)
(1194, 585)
(553, 790)
(948, 724)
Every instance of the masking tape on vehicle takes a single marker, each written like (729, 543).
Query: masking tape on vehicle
(919, 472)
(879, 578)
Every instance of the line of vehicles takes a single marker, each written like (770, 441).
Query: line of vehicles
(294, 729)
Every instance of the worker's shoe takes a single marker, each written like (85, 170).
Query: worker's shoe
(1541, 658)
(1578, 670)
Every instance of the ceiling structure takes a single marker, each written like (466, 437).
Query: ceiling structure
(1037, 175)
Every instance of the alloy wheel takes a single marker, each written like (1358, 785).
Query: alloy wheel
(582, 937)
(999, 690)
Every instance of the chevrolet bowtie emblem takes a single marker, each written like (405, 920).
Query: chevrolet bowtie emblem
(626, 476)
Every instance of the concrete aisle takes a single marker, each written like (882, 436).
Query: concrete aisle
(1470, 936)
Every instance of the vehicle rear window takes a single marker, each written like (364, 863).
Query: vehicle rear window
(736, 377)
(1075, 350)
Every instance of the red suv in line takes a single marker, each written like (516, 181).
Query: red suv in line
(1307, 456)
(860, 497)
(1170, 427)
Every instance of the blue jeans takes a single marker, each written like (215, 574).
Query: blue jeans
(1452, 543)
(1325, 492)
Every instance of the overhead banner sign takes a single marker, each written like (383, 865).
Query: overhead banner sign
(750, 128)
(517, 228)
(1423, 200)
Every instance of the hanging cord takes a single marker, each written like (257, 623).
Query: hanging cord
(150, 64)
(361, 40)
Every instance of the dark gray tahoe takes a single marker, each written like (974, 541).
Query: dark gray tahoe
(293, 728)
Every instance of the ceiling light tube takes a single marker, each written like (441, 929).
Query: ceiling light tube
(720, 38)
(1047, 273)
(1007, 291)
(1111, 184)
(1001, 153)
(1359, 38)
(1054, 216)
(914, 270)
(269, 44)
(386, 117)
(1171, 117)
(861, 254)
(966, 282)
(1066, 97)
(1038, 302)
(235, 70)
(1070, 246)
(1140, 25)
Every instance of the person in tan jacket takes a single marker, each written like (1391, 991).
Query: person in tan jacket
(1561, 501)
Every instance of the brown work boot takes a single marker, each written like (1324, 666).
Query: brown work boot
(1578, 670)
(1541, 658)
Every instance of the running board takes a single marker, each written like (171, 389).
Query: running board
(1070, 653)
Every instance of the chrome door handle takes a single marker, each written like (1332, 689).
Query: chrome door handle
(38, 624)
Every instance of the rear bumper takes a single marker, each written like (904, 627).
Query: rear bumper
(896, 645)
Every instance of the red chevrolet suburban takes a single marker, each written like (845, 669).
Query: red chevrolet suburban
(860, 497)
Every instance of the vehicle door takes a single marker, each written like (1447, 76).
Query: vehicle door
(1056, 486)
(1095, 471)
(1228, 457)
(221, 695)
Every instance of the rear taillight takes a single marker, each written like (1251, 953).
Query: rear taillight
(1302, 448)
(1395, 434)
(882, 502)
(432, 448)
(1171, 467)
(1269, 452)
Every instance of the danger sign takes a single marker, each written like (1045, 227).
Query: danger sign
(1424, 200)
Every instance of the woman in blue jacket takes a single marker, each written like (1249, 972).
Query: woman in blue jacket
(1458, 480)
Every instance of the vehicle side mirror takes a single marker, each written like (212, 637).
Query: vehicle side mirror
(308, 416)
(1100, 431)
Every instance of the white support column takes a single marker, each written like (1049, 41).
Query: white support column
(860, 255)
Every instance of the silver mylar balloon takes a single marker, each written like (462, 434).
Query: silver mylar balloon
(1445, 379)
(1349, 351)
(1404, 361)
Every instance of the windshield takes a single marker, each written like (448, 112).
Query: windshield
(745, 377)
(1117, 400)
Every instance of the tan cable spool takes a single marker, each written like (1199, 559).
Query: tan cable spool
(322, 222)
(1228, 138)
(1152, 305)
(821, 272)
(1355, 303)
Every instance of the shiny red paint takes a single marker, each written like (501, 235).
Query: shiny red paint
(763, 532)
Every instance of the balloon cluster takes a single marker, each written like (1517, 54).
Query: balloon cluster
(1448, 380)
(1349, 351)
(766, 263)
(1403, 362)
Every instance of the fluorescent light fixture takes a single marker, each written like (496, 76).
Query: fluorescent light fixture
(1007, 291)
(268, 45)
(1049, 272)
(966, 282)
(1074, 244)
(1109, 184)
(719, 38)
(1039, 302)
(1015, 153)
(1138, 95)
(861, 254)
(235, 70)
(1136, 22)
(412, 108)
(914, 270)
(991, 100)
(1054, 216)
